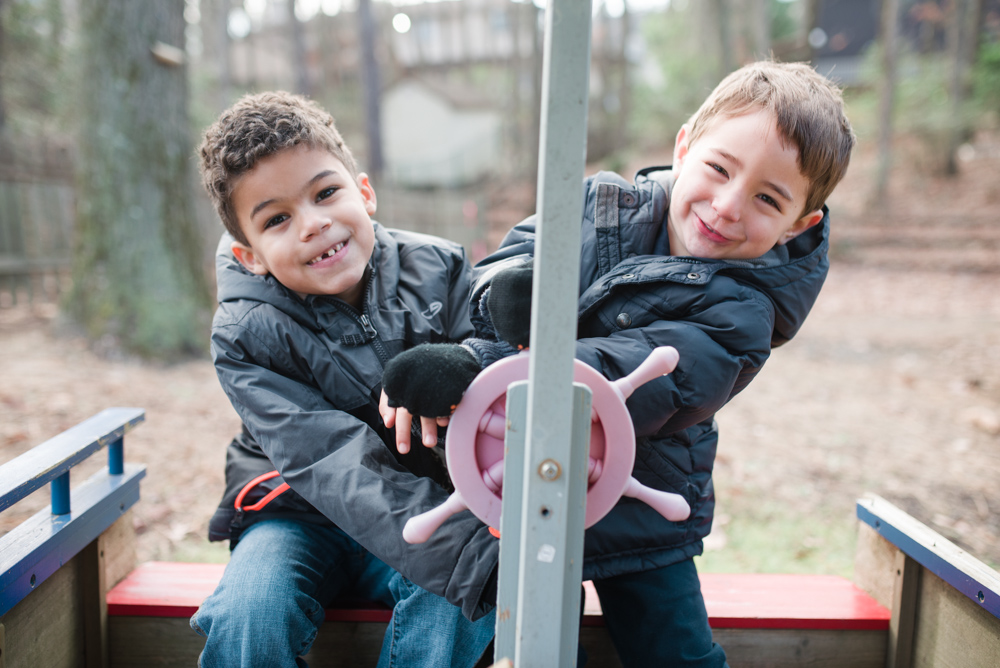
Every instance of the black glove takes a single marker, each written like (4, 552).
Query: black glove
(509, 304)
(430, 379)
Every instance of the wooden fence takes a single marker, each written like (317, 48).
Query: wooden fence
(37, 212)
(36, 218)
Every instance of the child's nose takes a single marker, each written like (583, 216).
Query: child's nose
(312, 224)
(728, 203)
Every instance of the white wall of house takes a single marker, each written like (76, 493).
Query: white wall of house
(430, 142)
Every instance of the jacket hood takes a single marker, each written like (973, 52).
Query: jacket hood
(791, 276)
(235, 283)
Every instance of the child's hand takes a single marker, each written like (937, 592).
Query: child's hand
(427, 381)
(402, 419)
(509, 304)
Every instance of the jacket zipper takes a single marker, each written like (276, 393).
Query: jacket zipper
(376, 342)
(362, 318)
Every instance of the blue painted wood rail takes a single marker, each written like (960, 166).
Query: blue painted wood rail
(961, 570)
(945, 603)
(34, 550)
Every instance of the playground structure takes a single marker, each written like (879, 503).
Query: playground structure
(71, 593)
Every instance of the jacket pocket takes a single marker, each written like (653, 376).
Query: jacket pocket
(655, 468)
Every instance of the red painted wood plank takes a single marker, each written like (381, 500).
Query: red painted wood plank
(756, 600)
(176, 589)
(766, 601)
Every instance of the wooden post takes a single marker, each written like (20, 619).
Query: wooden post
(904, 612)
(93, 589)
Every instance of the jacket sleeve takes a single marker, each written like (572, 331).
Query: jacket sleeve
(459, 287)
(342, 467)
(721, 346)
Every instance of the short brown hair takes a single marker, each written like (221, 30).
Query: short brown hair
(808, 110)
(255, 127)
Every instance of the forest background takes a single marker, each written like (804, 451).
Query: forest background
(106, 239)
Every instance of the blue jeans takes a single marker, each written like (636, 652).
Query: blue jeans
(282, 575)
(658, 618)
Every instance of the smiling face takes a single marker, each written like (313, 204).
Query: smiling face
(308, 223)
(737, 192)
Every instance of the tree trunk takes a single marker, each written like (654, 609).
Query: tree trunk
(138, 282)
(372, 87)
(297, 35)
(760, 27)
(721, 14)
(957, 88)
(3, 112)
(810, 17)
(622, 123)
(216, 40)
(887, 92)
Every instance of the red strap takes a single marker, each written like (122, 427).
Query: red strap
(270, 496)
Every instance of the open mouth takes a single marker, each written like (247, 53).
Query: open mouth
(330, 252)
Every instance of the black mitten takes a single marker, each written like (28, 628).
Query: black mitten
(430, 379)
(509, 304)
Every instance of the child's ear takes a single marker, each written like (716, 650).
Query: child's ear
(681, 146)
(245, 256)
(800, 226)
(367, 193)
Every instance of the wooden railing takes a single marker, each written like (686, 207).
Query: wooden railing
(57, 566)
(928, 602)
(945, 603)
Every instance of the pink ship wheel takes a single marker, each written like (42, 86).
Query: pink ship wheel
(475, 445)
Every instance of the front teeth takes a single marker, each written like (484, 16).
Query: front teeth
(327, 254)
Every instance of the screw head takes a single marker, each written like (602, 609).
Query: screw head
(549, 469)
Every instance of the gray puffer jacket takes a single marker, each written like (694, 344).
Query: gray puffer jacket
(723, 317)
(305, 377)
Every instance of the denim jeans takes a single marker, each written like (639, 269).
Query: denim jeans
(658, 618)
(282, 575)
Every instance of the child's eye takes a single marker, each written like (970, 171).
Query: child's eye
(719, 168)
(275, 220)
(771, 201)
(325, 193)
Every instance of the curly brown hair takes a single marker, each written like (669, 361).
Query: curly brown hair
(808, 109)
(255, 127)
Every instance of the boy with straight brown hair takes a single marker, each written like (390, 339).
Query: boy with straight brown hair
(721, 256)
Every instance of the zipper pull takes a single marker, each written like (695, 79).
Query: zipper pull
(369, 328)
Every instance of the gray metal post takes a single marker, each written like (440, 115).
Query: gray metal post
(556, 436)
(510, 519)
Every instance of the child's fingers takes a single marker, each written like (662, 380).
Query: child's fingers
(388, 414)
(403, 421)
(443, 421)
(429, 430)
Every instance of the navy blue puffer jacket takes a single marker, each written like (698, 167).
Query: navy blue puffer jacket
(723, 317)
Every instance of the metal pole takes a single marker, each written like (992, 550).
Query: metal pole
(116, 456)
(60, 494)
(550, 552)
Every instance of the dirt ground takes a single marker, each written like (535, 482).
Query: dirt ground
(892, 387)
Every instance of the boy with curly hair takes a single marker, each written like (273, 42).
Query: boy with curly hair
(314, 299)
